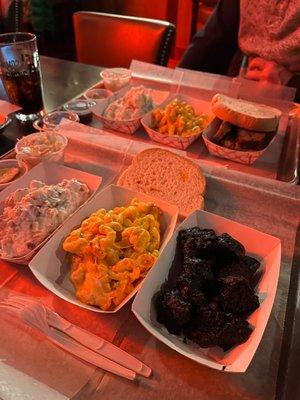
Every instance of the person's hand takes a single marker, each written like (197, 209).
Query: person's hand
(263, 70)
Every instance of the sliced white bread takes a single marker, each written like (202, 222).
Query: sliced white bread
(245, 114)
(163, 174)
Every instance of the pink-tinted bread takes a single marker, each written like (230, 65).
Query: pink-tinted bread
(245, 114)
(163, 174)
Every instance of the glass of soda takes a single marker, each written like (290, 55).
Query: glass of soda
(21, 73)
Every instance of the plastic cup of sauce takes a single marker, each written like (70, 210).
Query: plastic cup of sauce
(83, 108)
(97, 95)
(52, 120)
(115, 79)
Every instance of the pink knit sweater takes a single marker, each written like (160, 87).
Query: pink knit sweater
(271, 29)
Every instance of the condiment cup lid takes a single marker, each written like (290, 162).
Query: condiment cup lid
(80, 106)
(116, 73)
(97, 94)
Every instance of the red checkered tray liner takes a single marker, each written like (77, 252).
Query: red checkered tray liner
(176, 141)
(243, 157)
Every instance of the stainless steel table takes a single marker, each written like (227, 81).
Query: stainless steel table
(62, 81)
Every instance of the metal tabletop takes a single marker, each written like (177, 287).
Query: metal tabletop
(62, 81)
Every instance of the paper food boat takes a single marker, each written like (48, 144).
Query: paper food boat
(262, 246)
(178, 142)
(49, 265)
(127, 126)
(50, 174)
(243, 157)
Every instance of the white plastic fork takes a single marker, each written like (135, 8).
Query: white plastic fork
(84, 337)
(29, 315)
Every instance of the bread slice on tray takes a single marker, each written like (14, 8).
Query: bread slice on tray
(245, 114)
(163, 174)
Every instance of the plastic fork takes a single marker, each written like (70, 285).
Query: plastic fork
(29, 315)
(84, 337)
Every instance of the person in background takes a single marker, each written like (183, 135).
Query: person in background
(15, 15)
(267, 31)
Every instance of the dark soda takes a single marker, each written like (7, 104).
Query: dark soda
(24, 89)
(20, 73)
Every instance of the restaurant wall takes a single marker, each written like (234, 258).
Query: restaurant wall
(149, 9)
(98, 5)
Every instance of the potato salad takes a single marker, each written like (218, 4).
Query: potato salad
(134, 104)
(29, 215)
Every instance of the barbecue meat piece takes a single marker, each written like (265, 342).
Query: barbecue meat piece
(214, 304)
(228, 249)
(243, 267)
(211, 305)
(217, 328)
(224, 128)
(236, 268)
(183, 234)
(205, 330)
(196, 242)
(228, 140)
(235, 138)
(235, 331)
(190, 289)
(202, 270)
(249, 140)
(209, 292)
(236, 296)
(172, 310)
(252, 263)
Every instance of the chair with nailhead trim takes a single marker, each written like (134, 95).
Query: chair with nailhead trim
(110, 40)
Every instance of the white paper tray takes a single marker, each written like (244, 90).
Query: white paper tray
(50, 174)
(50, 267)
(265, 247)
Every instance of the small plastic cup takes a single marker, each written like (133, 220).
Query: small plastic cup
(115, 79)
(41, 146)
(83, 108)
(97, 95)
(52, 120)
